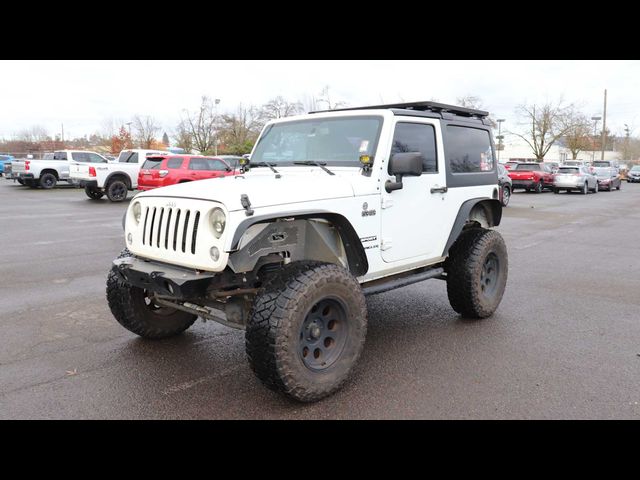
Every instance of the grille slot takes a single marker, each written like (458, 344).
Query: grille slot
(194, 233)
(144, 229)
(175, 230)
(166, 233)
(184, 231)
(159, 227)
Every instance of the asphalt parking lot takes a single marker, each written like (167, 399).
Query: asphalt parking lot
(565, 342)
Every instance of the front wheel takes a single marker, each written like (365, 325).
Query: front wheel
(93, 194)
(477, 269)
(306, 330)
(117, 191)
(136, 311)
(556, 190)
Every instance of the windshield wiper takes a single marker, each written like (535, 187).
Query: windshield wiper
(265, 164)
(317, 164)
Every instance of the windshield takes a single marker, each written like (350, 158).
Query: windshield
(524, 166)
(573, 163)
(336, 141)
(153, 163)
(635, 168)
(603, 172)
(601, 164)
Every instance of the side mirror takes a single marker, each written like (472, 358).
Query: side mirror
(403, 164)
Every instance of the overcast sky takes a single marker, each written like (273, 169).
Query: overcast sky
(82, 94)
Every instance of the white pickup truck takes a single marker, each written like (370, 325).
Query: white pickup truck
(113, 179)
(53, 168)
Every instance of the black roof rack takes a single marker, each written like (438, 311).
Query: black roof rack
(420, 106)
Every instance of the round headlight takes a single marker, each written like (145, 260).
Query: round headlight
(218, 220)
(137, 212)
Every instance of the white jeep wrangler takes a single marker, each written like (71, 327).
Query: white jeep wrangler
(331, 206)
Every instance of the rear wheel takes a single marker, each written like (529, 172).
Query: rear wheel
(48, 181)
(93, 193)
(539, 187)
(556, 190)
(506, 195)
(477, 269)
(619, 185)
(20, 181)
(117, 190)
(585, 188)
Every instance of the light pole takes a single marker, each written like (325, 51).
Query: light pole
(595, 126)
(499, 137)
(216, 102)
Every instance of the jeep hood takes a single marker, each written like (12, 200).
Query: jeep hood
(263, 190)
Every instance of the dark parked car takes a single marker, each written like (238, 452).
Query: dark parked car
(506, 185)
(608, 178)
(633, 175)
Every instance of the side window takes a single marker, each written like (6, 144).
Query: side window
(216, 165)
(79, 157)
(133, 158)
(95, 158)
(175, 162)
(417, 137)
(469, 149)
(60, 156)
(198, 164)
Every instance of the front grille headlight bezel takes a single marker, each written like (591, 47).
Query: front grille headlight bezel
(217, 221)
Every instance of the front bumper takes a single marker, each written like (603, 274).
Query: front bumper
(633, 179)
(164, 279)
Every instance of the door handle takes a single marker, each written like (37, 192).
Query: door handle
(439, 190)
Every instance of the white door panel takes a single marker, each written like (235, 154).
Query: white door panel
(416, 221)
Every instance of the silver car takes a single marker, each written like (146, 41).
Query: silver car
(575, 177)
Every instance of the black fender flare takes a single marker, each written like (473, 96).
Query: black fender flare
(356, 256)
(492, 207)
(127, 178)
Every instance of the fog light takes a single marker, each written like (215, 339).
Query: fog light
(130, 238)
(215, 253)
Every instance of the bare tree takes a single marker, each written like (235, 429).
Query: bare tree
(545, 125)
(578, 133)
(240, 130)
(183, 137)
(278, 107)
(146, 129)
(36, 133)
(472, 101)
(202, 125)
(325, 99)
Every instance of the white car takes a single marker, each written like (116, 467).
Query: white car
(54, 167)
(332, 206)
(114, 179)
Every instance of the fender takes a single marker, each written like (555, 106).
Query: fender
(125, 175)
(493, 208)
(356, 256)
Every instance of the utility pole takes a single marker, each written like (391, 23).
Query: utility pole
(215, 142)
(626, 142)
(500, 137)
(604, 123)
(62, 132)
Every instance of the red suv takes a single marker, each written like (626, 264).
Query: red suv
(163, 170)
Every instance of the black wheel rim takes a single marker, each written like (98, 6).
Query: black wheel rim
(118, 191)
(489, 275)
(48, 182)
(323, 334)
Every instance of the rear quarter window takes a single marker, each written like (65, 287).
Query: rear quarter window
(175, 162)
(469, 150)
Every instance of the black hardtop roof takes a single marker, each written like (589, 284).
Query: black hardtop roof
(438, 108)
